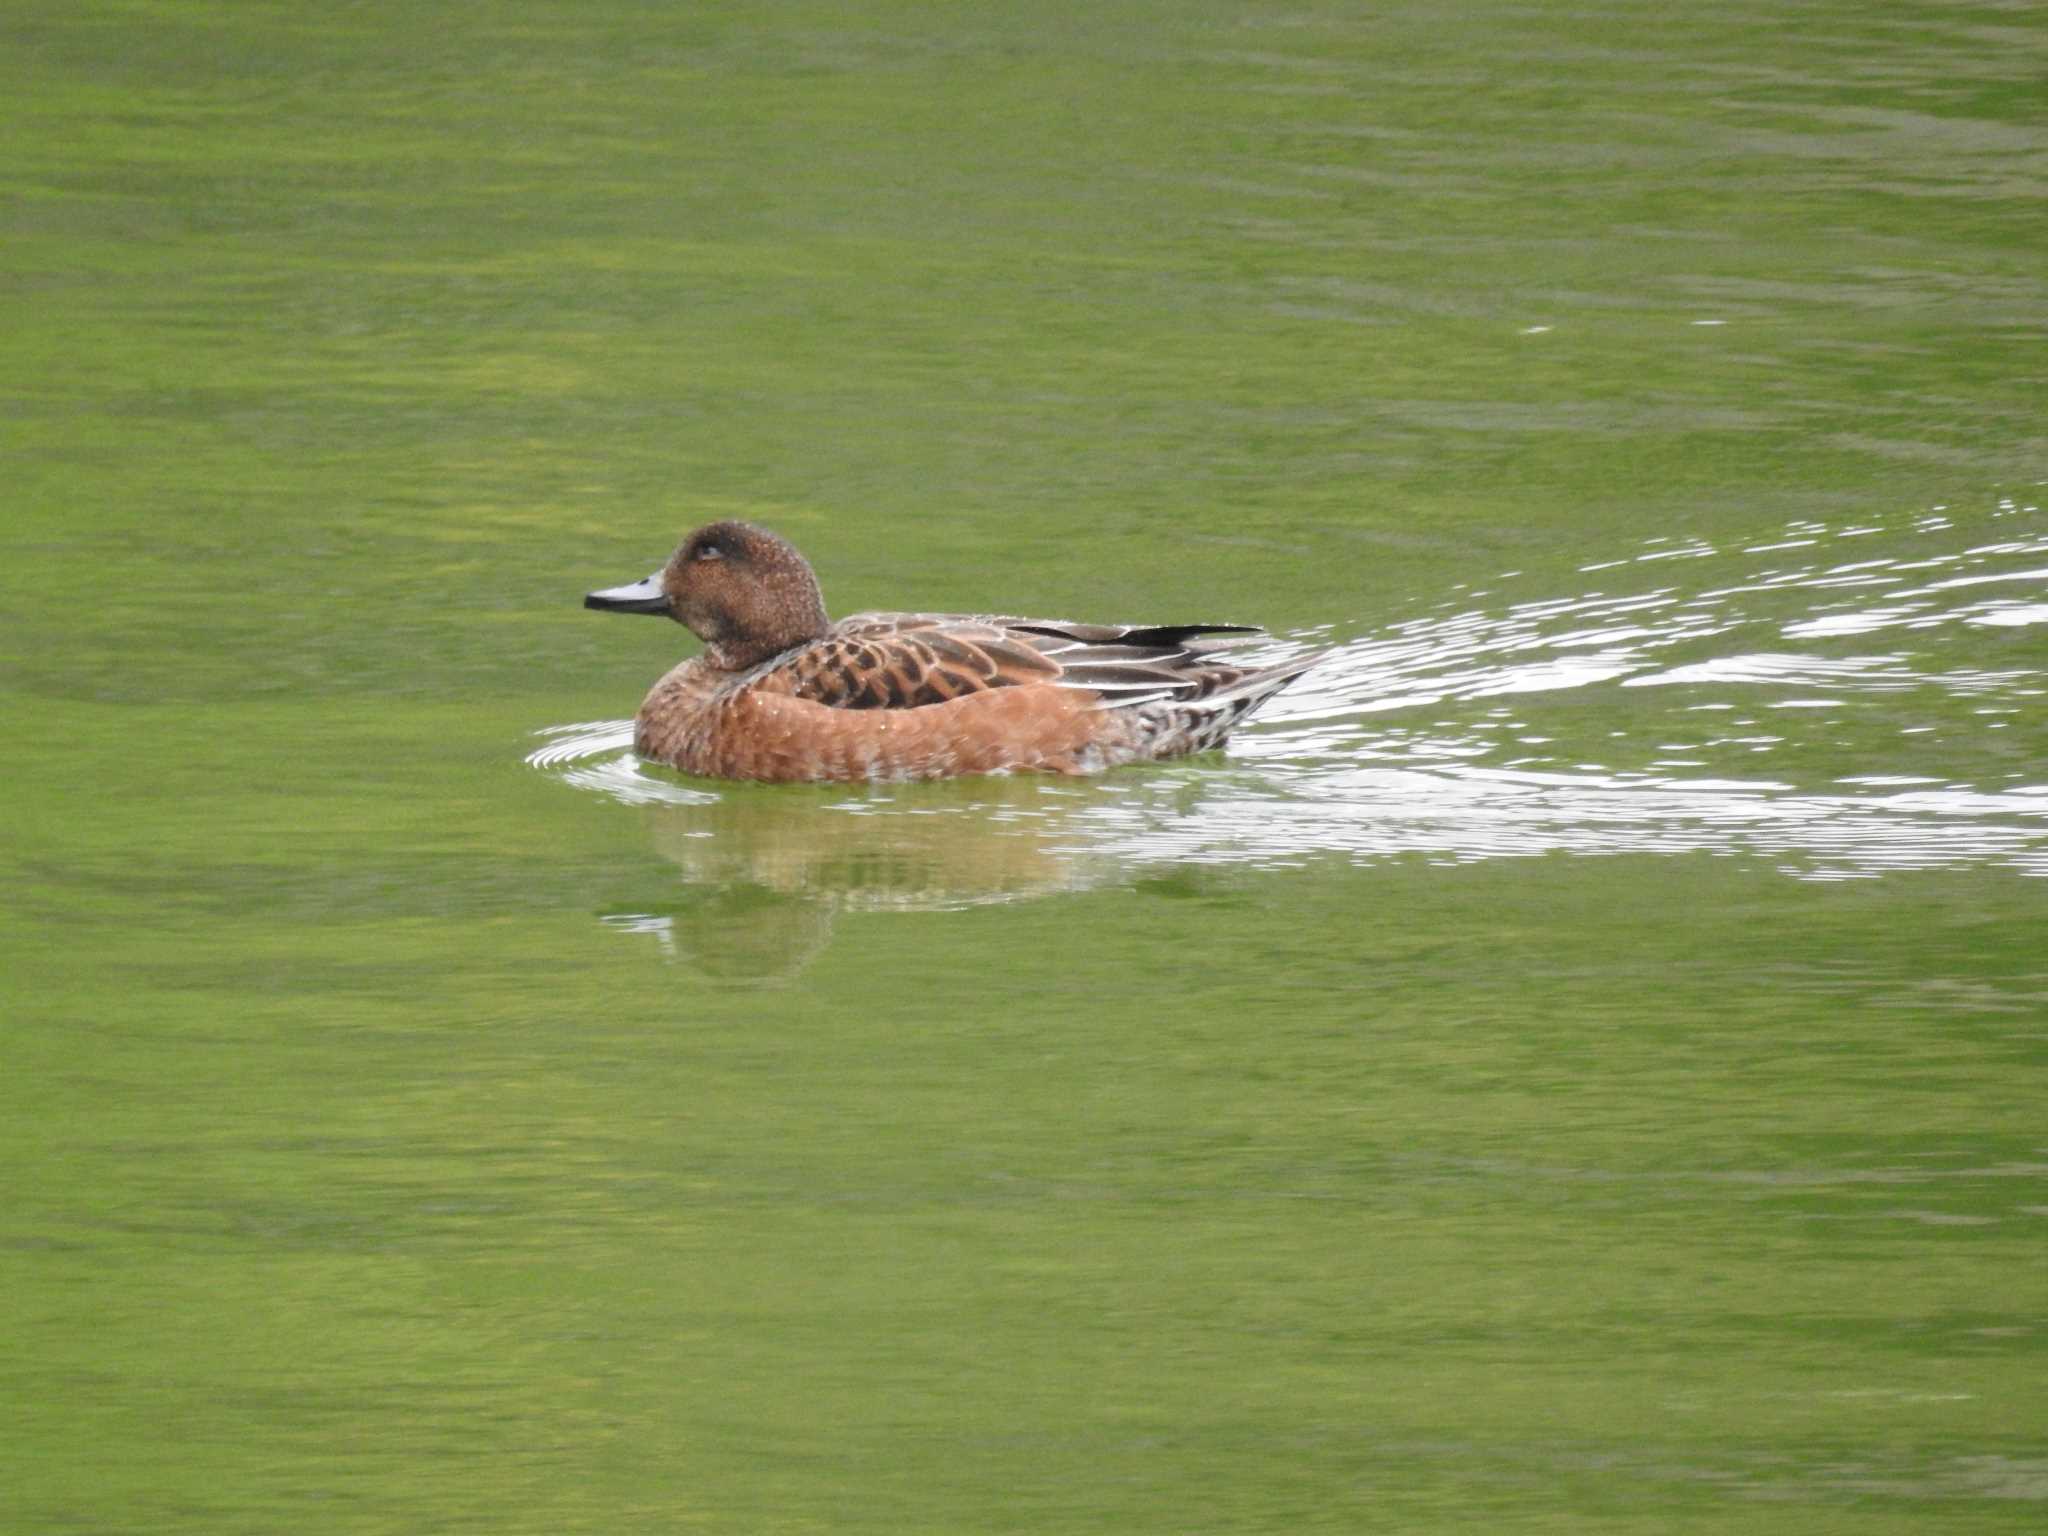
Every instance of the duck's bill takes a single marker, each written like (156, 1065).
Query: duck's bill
(635, 597)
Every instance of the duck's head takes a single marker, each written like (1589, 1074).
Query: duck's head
(747, 594)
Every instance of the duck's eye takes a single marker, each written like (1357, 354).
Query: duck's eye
(709, 552)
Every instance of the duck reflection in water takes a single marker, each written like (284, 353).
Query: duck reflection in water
(766, 873)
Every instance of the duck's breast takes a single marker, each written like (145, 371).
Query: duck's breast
(754, 734)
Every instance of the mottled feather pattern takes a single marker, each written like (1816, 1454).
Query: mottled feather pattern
(903, 661)
(892, 661)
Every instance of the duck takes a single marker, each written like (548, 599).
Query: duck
(782, 694)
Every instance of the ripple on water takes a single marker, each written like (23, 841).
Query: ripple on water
(1726, 702)
(598, 754)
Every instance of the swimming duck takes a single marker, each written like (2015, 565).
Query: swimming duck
(783, 694)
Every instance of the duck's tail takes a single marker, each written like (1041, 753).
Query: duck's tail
(1201, 719)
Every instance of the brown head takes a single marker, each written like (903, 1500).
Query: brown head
(747, 594)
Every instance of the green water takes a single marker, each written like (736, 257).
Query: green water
(1577, 1064)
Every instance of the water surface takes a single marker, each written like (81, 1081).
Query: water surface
(1575, 1061)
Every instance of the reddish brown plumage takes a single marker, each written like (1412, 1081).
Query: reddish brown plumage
(783, 694)
(695, 722)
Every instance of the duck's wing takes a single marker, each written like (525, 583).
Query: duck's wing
(1131, 664)
(904, 660)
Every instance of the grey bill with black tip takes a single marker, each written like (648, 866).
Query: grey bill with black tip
(635, 597)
